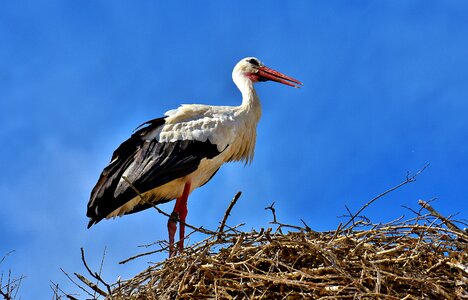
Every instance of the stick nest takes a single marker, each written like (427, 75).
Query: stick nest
(420, 258)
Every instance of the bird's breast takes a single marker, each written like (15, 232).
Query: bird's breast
(242, 147)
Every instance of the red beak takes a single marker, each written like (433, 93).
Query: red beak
(265, 73)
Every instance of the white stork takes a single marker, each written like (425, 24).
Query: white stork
(171, 156)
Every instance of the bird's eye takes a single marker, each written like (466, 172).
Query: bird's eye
(254, 62)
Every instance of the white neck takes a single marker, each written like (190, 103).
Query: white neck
(250, 101)
(248, 113)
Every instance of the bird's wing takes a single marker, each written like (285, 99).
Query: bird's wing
(151, 157)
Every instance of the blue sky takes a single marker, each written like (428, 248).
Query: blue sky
(384, 93)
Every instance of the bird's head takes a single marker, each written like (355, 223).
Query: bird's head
(253, 69)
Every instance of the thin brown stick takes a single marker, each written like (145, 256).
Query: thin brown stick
(6, 255)
(5, 295)
(409, 179)
(95, 275)
(75, 283)
(101, 265)
(446, 221)
(140, 255)
(91, 284)
(228, 211)
(273, 211)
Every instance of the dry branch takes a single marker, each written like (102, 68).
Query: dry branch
(228, 211)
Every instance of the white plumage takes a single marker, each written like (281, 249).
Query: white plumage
(169, 157)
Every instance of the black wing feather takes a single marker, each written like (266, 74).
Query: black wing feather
(154, 164)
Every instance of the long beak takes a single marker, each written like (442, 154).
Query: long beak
(266, 73)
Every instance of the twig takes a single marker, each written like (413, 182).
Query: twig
(307, 228)
(409, 179)
(6, 255)
(350, 214)
(95, 275)
(234, 229)
(55, 288)
(281, 225)
(273, 211)
(92, 285)
(6, 295)
(442, 218)
(160, 243)
(75, 283)
(140, 255)
(337, 231)
(228, 212)
(102, 263)
(412, 210)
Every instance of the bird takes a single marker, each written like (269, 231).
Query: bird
(169, 157)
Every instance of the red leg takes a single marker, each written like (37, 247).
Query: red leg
(183, 211)
(178, 214)
(172, 228)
